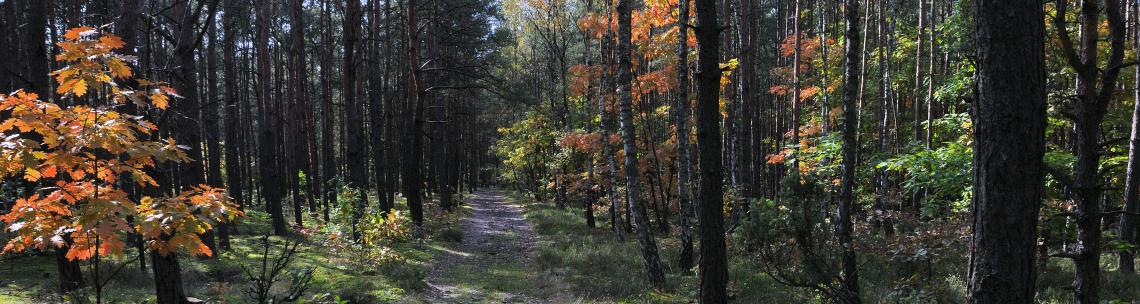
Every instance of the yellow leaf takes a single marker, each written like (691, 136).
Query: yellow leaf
(32, 175)
(118, 68)
(159, 101)
(73, 86)
(80, 88)
(65, 86)
(63, 74)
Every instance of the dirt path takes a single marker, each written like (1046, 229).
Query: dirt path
(494, 263)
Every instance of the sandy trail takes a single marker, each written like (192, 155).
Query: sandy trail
(493, 263)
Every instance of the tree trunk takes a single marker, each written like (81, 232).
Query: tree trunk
(1009, 146)
(795, 102)
(70, 274)
(378, 97)
(298, 110)
(168, 287)
(233, 105)
(592, 192)
(681, 115)
(413, 153)
(35, 36)
(714, 260)
(850, 275)
(933, 43)
(1128, 221)
(210, 123)
(354, 142)
(271, 180)
(168, 279)
(328, 176)
(1092, 103)
(629, 143)
(918, 72)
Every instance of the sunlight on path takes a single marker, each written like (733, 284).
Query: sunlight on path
(494, 263)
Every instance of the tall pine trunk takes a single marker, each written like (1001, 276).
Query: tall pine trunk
(681, 115)
(1009, 144)
(213, 134)
(714, 260)
(270, 178)
(1128, 221)
(1095, 90)
(298, 110)
(328, 175)
(168, 280)
(354, 141)
(233, 105)
(378, 97)
(413, 153)
(850, 275)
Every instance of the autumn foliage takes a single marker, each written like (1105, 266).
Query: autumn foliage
(81, 158)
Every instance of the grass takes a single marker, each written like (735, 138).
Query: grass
(593, 265)
(573, 264)
(1055, 281)
(31, 278)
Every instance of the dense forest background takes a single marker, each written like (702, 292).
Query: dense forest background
(887, 151)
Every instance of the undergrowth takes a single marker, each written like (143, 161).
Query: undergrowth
(391, 270)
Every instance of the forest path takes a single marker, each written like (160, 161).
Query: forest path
(495, 261)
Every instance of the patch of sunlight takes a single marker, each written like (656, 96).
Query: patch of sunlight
(449, 250)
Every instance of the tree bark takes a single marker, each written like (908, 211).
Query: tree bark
(922, 24)
(168, 279)
(795, 102)
(1095, 89)
(378, 98)
(35, 35)
(413, 153)
(653, 269)
(268, 126)
(213, 134)
(328, 176)
(850, 275)
(1009, 146)
(681, 115)
(233, 106)
(298, 110)
(1128, 221)
(355, 144)
(714, 260)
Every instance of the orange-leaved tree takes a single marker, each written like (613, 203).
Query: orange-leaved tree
(82, 157)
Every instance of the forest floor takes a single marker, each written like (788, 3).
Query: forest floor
(493, 263)
(499, 247)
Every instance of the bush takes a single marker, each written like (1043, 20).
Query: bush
(385, 228)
